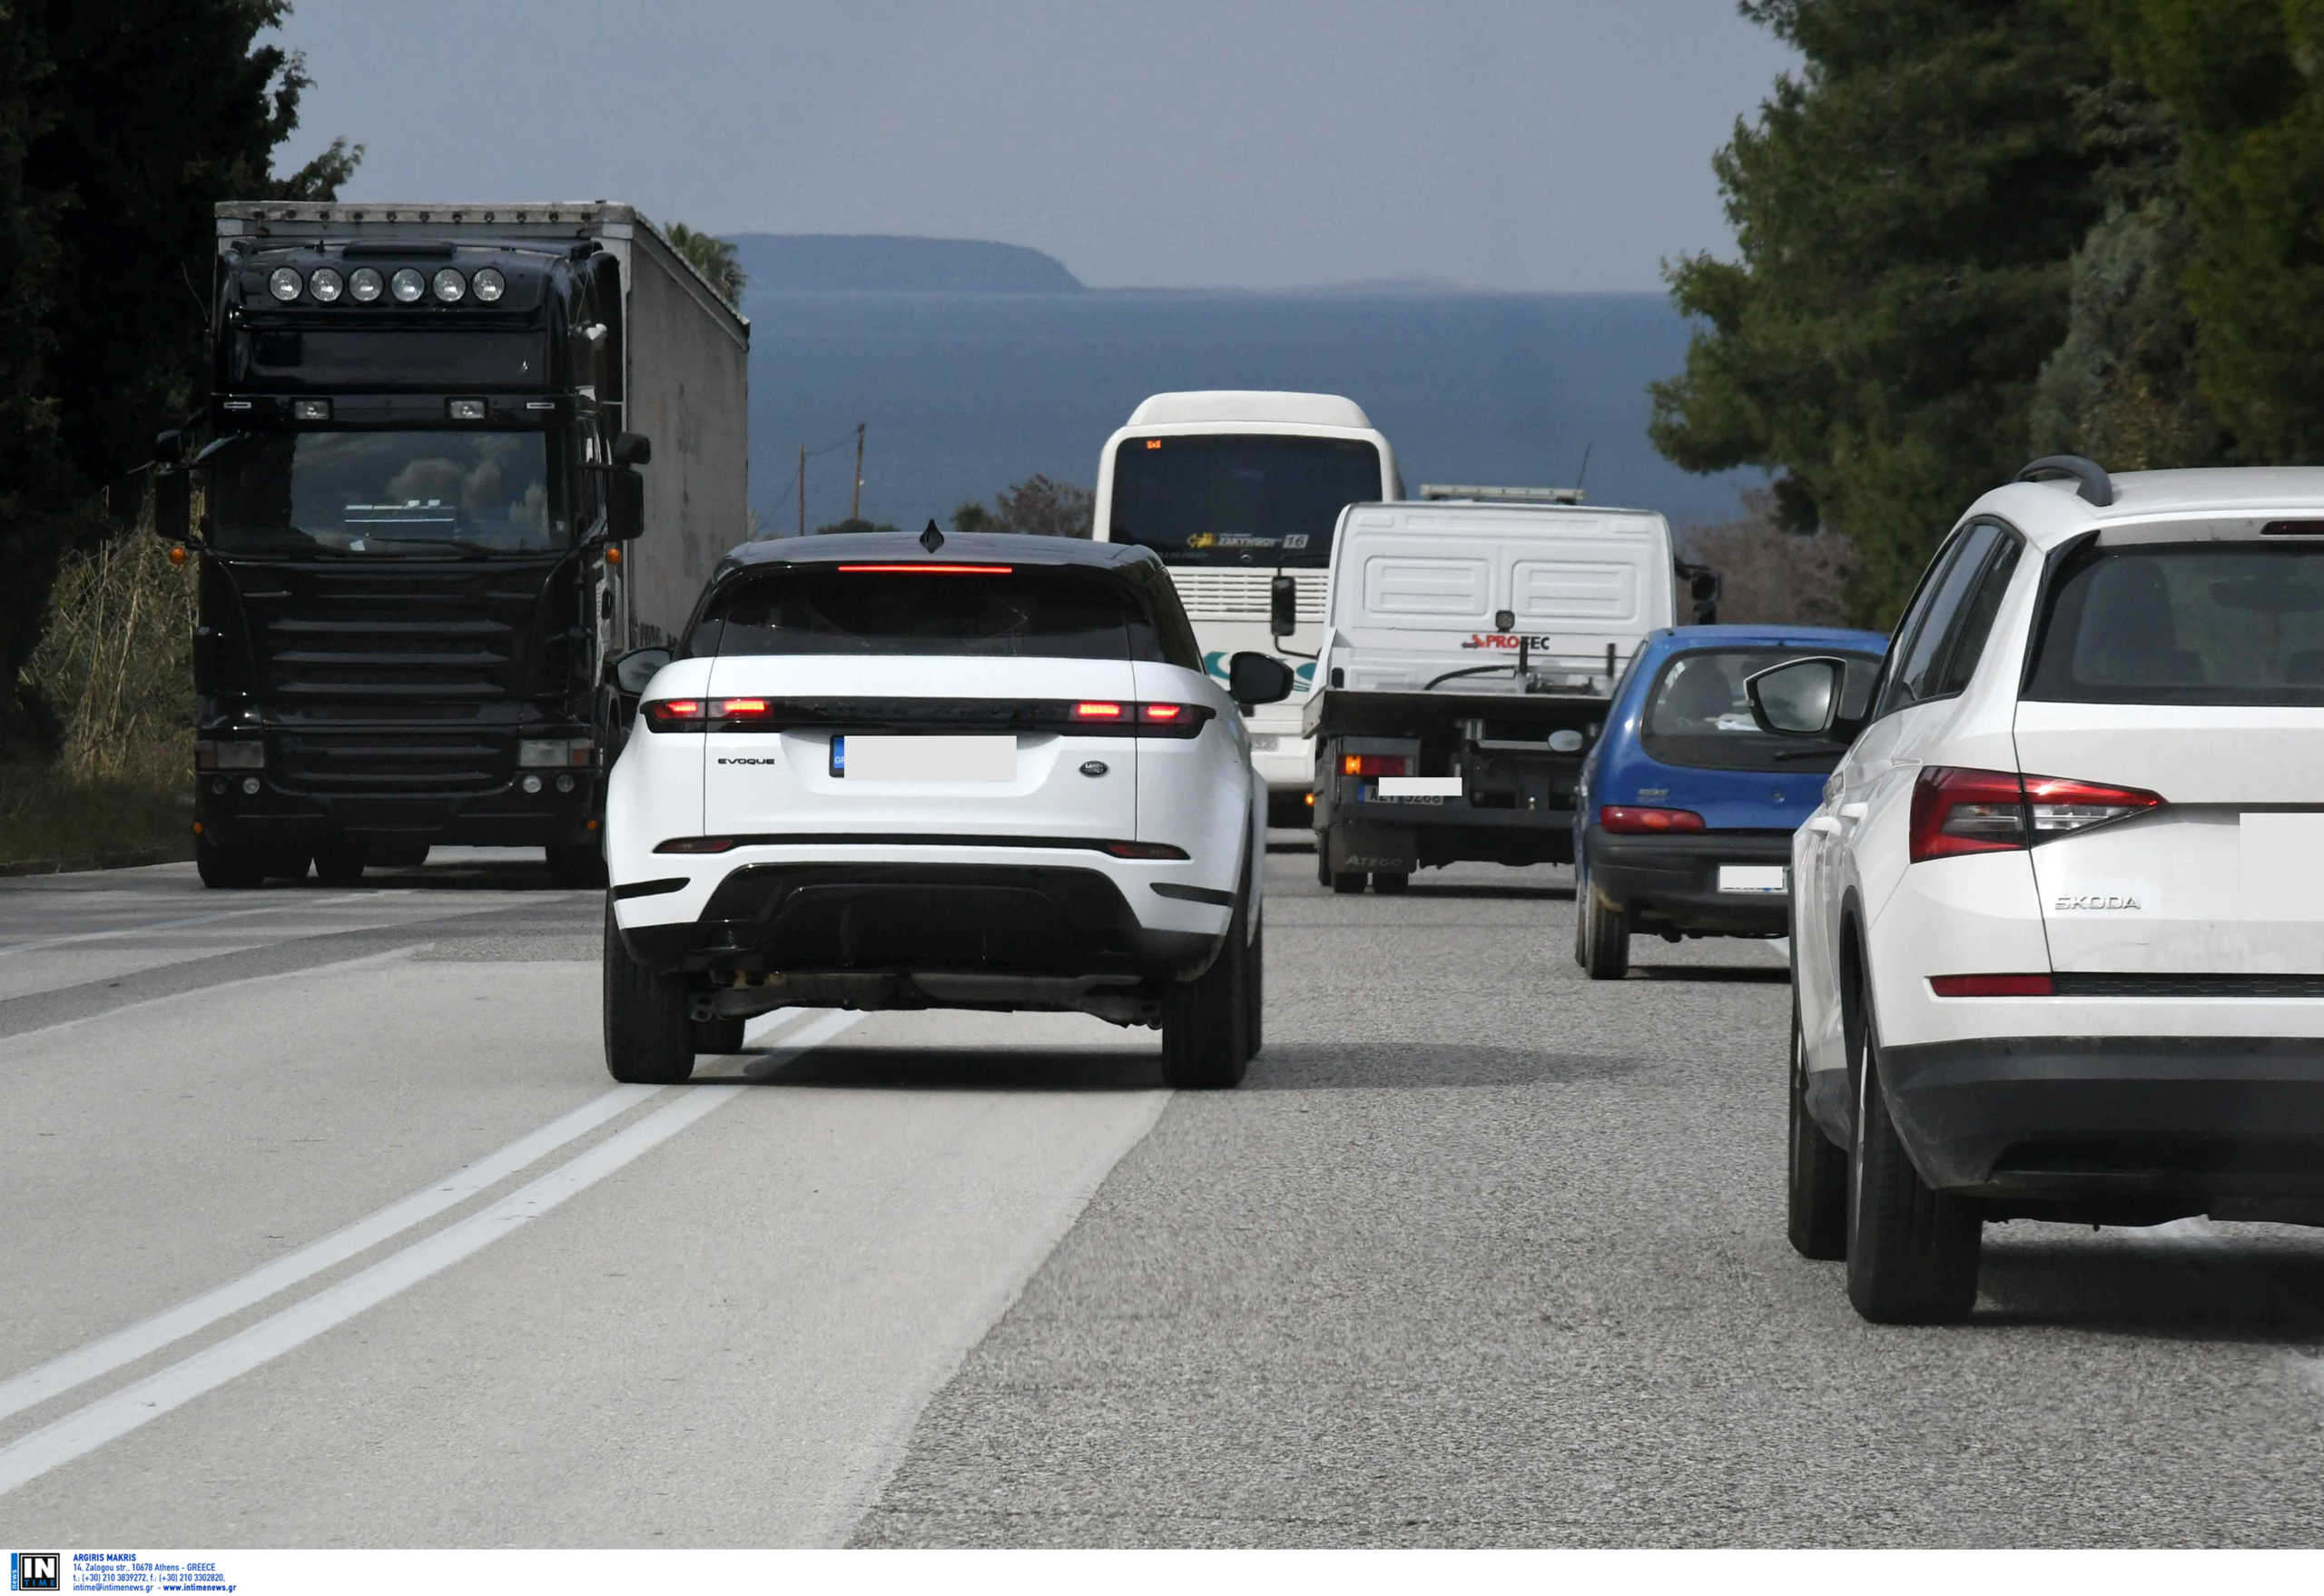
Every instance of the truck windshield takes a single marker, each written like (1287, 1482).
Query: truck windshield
(1239, 498)
(365, 494)
(1699, 715)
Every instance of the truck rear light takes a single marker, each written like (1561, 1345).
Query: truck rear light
(1625, 820)
(696, 845)
(553, 752)
(1957, 811)
(1376, 765)
(1992, 986)
(1142, 851)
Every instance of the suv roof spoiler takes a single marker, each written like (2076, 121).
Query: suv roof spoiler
(2089, 477)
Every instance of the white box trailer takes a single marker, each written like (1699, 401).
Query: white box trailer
(1468, 658)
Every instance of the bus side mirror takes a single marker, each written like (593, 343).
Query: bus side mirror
(1283, 606)
(633, 449)
(624, 503)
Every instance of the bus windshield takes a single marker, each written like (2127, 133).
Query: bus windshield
(1239, 498)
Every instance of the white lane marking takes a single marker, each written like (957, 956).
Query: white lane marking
(109, 1418)
(126, 930)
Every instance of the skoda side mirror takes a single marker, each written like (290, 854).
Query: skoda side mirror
(633, 449)
(624, 503)
(1801, 698)
(1282, 607)
(634, 670)
(1254, 678)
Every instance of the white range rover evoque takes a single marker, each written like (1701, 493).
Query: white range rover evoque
(983, 771)
(2058, 925)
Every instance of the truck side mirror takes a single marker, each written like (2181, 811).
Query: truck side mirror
(633, 449)
(1799, 698)
(1254, 678)
(1703, 586)
(1282, 607)
(624, 503)
(173, 504)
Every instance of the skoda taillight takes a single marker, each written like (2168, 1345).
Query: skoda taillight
(1957, 811)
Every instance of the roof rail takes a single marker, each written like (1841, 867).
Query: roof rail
(2095, 485)
(1440, 490)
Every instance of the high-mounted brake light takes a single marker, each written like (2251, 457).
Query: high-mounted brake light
(929, 570)
(1992, 986)
(1957, 811)
(1376, 765)
(1626, 820)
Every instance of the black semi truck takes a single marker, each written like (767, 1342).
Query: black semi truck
(433, 433)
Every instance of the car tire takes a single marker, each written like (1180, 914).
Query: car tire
(1817, 1190)
(1605, 934)
(340, 864)
(649, 1039)
(1911, 1252)
(576, 864)
(1323, 861)
(1255, 1005)
(230, 869)
(1205, 1021)
(722, 1035)
(1347, 883)
(1389, 883)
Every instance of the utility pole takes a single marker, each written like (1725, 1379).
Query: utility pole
(803, 490)
(855, 504)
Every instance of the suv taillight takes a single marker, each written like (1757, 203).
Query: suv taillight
(1959, 810)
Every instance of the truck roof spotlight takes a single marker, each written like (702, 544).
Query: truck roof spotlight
(408, 285)
(284, 283)
(366, 285)
(489, 285)
(326, 285)
(450, 286)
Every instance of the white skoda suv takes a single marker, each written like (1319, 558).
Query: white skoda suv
(975, 773)
(2058, 925)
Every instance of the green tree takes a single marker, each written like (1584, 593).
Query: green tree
(714, 257)
(854, 523)
(2241, 80)
(1905, 211)
(120, 126)
(1039, 506)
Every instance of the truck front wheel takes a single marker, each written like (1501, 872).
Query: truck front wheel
(576, 864)
(234, 868)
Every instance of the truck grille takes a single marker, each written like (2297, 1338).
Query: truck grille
(1242, 596)
(452, 760)
(379, 643)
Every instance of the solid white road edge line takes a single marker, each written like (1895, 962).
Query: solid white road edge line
(102, 1356)
(110, 1418)
(129, 930)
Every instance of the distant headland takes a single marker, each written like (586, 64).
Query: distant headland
(833, 263)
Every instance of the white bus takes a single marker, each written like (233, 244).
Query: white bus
(1231, 489)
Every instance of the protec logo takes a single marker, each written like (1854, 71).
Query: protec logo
(35, 1571)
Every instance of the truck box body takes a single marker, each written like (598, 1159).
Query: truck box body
(1471, 651)
(411, 582)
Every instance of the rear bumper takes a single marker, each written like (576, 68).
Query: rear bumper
(2132, 1127)
(912, 917)
(1674, 880)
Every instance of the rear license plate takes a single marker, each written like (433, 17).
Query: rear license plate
(1381, 792)
(1428, 788)
(924, 759)
(1755, 877)
(1261, 743)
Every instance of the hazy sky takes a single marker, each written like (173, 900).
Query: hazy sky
(1506, 144)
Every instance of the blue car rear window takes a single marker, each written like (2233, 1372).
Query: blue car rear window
(1696, 714)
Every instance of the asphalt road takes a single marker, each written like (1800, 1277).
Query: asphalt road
(324, 1226)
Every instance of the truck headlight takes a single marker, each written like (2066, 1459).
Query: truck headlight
(284, 283)
(366, 285)
(450, 286)
(406, 285)
(489, 286)
(241, 754)
(326, 285)
(553, 752)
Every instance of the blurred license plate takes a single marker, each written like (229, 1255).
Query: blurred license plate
(1263, 743)
(1755, 877)
(924, 759)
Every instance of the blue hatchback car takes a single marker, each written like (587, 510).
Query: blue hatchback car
(1683, 819)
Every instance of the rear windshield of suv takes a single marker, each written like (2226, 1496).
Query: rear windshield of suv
(1022, 611)
(1697, 715)
(2197, 624)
